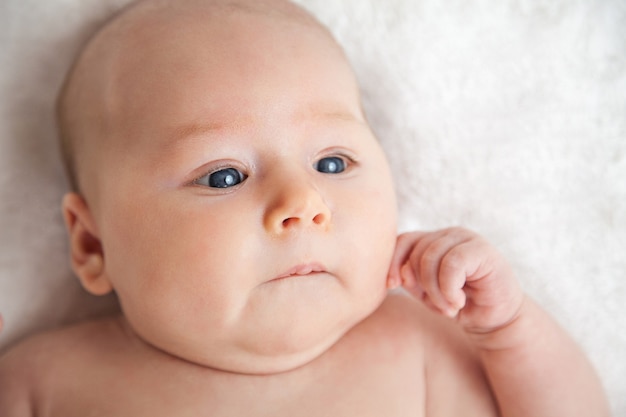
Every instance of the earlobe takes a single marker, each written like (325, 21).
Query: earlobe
(87, 256)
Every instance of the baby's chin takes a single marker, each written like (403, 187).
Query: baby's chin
(307, 333)
(270, 346)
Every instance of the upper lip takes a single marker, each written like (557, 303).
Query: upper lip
(302, 269)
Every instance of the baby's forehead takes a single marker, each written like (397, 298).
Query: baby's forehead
(150, 29)
(201, 35)
(145, 13)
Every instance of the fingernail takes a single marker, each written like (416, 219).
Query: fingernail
(393, 282)
(404, 272)
(452, 312)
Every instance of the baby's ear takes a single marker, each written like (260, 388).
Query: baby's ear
(87, 256)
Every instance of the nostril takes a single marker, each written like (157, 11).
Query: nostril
(294, 221)
(291, 221)
(319, 219)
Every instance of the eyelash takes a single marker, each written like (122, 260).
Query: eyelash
(230, 176)
(225, 166)
(348, 162)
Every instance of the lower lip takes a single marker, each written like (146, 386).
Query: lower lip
(300, 272)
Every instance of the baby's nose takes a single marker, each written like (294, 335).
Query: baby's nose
(296, 205)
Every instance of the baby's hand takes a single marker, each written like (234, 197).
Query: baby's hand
(458, 274)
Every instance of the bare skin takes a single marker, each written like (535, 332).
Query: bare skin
(376, 369)
(233, 196)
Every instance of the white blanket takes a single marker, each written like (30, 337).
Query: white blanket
(504, 116)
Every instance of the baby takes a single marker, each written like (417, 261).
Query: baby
(228, 189)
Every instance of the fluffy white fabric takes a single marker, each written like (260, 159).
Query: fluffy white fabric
(505, 116)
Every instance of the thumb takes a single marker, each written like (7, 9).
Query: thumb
(399, 270)
(404, 245)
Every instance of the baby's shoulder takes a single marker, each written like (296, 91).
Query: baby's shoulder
(44, 360)
(415, 332)
(439, 338)
(63, 344)
(452, 366)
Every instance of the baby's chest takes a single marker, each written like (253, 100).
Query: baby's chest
(351, 388)
(390, 394)
(368, 392)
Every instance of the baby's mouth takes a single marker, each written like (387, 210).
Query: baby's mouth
(301, 270)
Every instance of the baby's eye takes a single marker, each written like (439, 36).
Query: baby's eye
(224, 178)
(331, 165)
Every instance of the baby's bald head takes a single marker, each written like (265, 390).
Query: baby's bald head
(93, 100)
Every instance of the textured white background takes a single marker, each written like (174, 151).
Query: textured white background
(505, 116)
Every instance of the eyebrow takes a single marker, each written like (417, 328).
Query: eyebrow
(196, 131)
(193, 132)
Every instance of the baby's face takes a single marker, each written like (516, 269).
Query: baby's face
(246, 211)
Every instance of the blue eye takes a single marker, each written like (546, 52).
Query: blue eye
(224, 178)
(331, 165)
